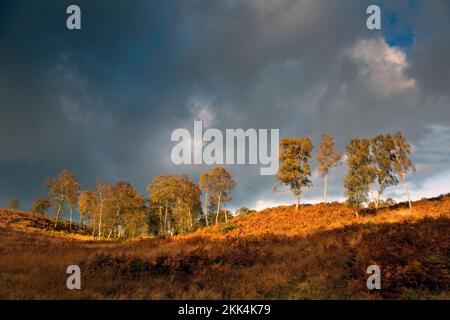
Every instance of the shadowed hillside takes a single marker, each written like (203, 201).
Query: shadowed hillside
(318, 252)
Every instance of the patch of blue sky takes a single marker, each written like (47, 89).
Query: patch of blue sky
(397, 31)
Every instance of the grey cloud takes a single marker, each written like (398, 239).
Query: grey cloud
(104, 101)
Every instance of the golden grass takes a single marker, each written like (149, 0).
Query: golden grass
(318, 252)
(30, 222)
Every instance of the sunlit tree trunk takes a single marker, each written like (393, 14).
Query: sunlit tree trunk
(58, 213)
(100, 219)
(403, 177)
(218, 210)
(407, 192)
(206, 209)
(161, 227)
(325, 179)
(298, 202)
(71, 217)
(377, 200)
(93, 227)
(166, 221)
(169, 222)
(190, 218)
(116, 221)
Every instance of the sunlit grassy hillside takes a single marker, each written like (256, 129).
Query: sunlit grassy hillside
(319, 251)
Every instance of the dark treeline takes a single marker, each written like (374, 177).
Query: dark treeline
(175, 205)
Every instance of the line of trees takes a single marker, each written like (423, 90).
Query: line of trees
(175, 204)
(114, 211)
(176, 201)
(378, 162)
(216, 186)
(382, 161)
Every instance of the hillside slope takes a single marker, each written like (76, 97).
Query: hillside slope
(30, 222)
(318, 252)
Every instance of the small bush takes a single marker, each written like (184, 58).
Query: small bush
(229, 226)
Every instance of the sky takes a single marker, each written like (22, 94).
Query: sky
(103, 101)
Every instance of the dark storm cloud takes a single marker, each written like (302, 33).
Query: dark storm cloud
(104, 100)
